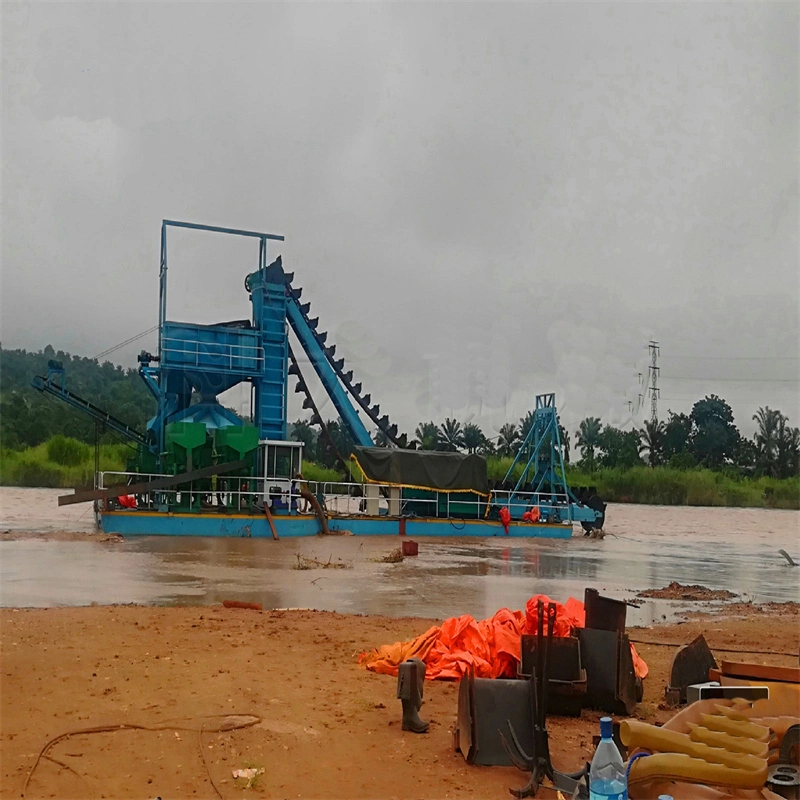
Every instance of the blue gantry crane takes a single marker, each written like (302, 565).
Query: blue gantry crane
(196, 363)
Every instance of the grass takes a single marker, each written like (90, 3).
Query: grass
(694, 487)
(59, 463)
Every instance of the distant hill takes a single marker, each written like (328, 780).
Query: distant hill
(28, 417)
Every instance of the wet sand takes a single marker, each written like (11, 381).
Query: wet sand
(326, 727)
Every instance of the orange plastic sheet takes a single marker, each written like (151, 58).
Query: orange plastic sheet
(490, 646)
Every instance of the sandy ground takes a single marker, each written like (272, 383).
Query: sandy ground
(325, 727)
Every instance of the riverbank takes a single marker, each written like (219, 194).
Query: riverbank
(325, 727)
(694, 487)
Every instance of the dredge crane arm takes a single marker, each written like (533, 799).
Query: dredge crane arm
(49, 386)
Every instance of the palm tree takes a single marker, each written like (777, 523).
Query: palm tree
(303, 432)
(525, 425)
(564, 436)
(473, 437)
(507, 440)
(793, 460)
(426, 435)
(767, 435)
(450, 436)
(788, 449)
(588, 437)
(486, 447)
(652, 436)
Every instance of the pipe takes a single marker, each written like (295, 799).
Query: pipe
(681, 758)
(734, 727)
(682, 767)
(268, 515)
(323, 520)
(735, 744)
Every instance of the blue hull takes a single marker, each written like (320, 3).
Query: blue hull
(149, 523)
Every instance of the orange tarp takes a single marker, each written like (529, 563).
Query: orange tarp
(491, 646)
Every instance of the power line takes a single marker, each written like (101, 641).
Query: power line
(737, 358)
(732, 380)
(127, 341)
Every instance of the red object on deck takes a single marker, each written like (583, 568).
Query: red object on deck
(410, 548)
(505, 518)
(127, 501)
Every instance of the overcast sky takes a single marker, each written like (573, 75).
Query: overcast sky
(481, 202)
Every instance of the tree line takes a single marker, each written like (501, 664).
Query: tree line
(705, 437)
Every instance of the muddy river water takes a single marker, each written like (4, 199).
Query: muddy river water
(645, 547)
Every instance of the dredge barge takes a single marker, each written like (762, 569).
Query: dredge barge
(200, 470)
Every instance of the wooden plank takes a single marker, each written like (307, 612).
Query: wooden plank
(147, 486)
(760, 672)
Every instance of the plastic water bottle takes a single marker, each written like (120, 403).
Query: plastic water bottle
(607, 772)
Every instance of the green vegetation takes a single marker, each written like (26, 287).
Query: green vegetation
(319, 474)
(28, 417)
(61, 462)
(692, 487)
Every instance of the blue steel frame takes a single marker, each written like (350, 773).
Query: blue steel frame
(151, 375)
(327, 375)
(543, 434)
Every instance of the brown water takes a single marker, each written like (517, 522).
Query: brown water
(645, 547)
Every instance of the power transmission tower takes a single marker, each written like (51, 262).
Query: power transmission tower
(653, 380)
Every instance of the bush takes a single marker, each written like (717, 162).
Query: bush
(67, 452)
(314, 472)
(37, 473)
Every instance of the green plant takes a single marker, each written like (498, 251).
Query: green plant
(66, 451)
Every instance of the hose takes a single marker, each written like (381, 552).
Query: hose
(323, 520)
(679, 757)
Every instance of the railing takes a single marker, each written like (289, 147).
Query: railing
(237, 493)
(215, 350)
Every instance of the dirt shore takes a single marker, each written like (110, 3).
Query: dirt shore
(324, 727)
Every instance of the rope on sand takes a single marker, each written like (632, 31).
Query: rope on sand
(245, 721)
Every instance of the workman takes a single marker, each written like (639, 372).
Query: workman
(298, 487)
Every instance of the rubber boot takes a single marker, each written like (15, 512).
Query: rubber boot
(421, 669)
(410, 677)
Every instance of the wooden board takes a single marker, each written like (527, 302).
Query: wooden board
(760, 672)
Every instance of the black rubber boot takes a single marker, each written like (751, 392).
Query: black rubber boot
(410, 679)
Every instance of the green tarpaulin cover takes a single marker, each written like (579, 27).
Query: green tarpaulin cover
(423, 469)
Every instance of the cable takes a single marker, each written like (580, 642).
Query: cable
(630, 764)
(738, 358)
(252, 719)
(127, 341)
(720, 649)
(669, 377)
